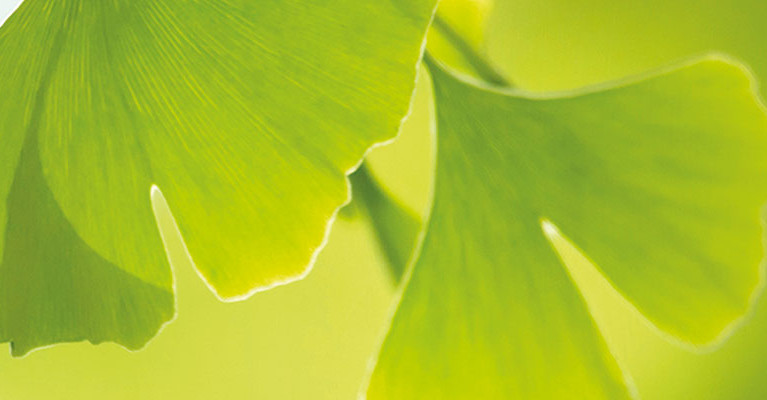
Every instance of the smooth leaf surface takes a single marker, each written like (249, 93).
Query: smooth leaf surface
(246, 115)
(553, 45)
(658, 180)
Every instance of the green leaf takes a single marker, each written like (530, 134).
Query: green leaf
(660, 181)
(247, 115)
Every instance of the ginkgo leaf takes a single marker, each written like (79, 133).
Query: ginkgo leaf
(246, 115)
(660, 181)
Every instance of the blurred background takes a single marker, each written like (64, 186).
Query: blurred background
(313, 339)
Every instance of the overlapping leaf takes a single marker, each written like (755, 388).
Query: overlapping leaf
(53, 287)
(659, 181)
(455, 38)
(245, 114)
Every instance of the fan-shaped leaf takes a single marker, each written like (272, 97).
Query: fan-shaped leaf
(660, 181)
(245, 114)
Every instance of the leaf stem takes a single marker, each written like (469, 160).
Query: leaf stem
(478, 63)
(395, 226)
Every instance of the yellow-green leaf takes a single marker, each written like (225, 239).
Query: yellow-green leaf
(246, 115)
(659, 180)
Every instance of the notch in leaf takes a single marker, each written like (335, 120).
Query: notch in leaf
(659, 180)
(247, 115)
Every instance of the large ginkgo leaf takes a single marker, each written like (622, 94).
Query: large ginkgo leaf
(245, 114)
(660, 181)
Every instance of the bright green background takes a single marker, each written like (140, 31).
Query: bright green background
(312, 339)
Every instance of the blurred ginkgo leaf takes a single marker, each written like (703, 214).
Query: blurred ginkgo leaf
(659, 180)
